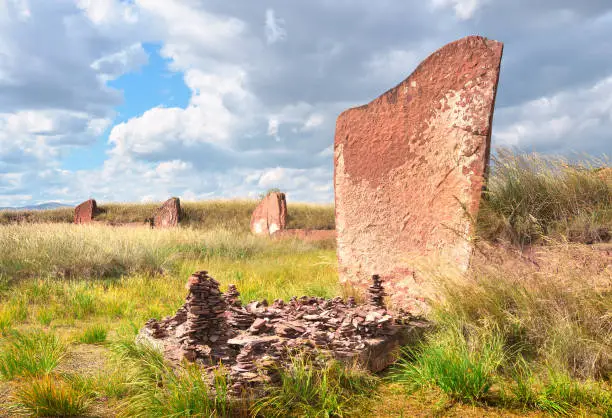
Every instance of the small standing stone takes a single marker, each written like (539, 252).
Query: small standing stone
(376, 292)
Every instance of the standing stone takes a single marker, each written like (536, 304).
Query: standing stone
(85, 212)
(168, 215)
(411, 163)
(270, 215)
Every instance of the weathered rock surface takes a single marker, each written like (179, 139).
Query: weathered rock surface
(212, 328)
(85, 212)
(168, 215)
(270, 215)
(411, 163)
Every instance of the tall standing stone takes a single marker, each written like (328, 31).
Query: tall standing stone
(85, 212)
(410, 167)
(270, 215)
(168, 215)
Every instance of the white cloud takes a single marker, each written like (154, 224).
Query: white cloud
(206, 119)
(464, 9)
(567, 121)
(273, 127)
(275, 32)
(108, 12)
(172, 168)
(314, 121)
(113, 65)
(56, 56)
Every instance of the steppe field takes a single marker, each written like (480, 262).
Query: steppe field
(526, 332)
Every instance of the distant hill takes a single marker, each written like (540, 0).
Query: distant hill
(40, 206)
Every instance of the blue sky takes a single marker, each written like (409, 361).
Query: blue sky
(150, 86)
(141, 100)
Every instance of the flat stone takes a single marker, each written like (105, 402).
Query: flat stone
(245, 339)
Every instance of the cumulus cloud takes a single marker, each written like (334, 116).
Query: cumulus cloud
(248, 88)
(569, 121)
(464, 9)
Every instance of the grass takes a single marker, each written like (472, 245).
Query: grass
(160, 391)
(30, 354)
(317, 388)
(523, 332)
(49, 396)
(98, 251)
(95, 334)
(519, 334)
(531, 197)
(463, 369)
(211, 214)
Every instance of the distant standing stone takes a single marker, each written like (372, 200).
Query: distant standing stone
(270, 215)
(410, 166)
(85, 212)
(168, 215)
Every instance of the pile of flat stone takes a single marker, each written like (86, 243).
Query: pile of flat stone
(258, 338)
(206, 326)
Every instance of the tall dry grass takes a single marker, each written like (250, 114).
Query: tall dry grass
(63, 250)
(234, 215)
(531, 197)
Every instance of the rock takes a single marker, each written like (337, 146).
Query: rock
(409, 164)
(85, 212)
(270, 215)
(258, 325)
(376, 293)
(209, 329)
(168, 215)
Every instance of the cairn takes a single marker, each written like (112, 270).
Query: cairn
(237, 316)
(206, 323)
(376, 293)
(256, 339)
(232, 296)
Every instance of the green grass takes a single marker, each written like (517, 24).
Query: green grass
(50, 396)
(30, 354)
(95, 334)
(531, 197)
(510, 335)
(463, 368)
(160, 391)
(317, 388)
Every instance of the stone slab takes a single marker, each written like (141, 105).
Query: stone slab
(270, 215)
(169, 214)
(410, 168)
(85, 212)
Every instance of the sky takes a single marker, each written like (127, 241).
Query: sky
(140, 100)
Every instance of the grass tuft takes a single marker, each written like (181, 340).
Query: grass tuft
(463, 368)
(30, 354)
(95, 334)
(317, 388)
(50, 396)
(160, 391)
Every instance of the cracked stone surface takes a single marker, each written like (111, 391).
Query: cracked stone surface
(168, 214)
(253, 340)
(270, 215)
(85, 212)
(410, 168)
